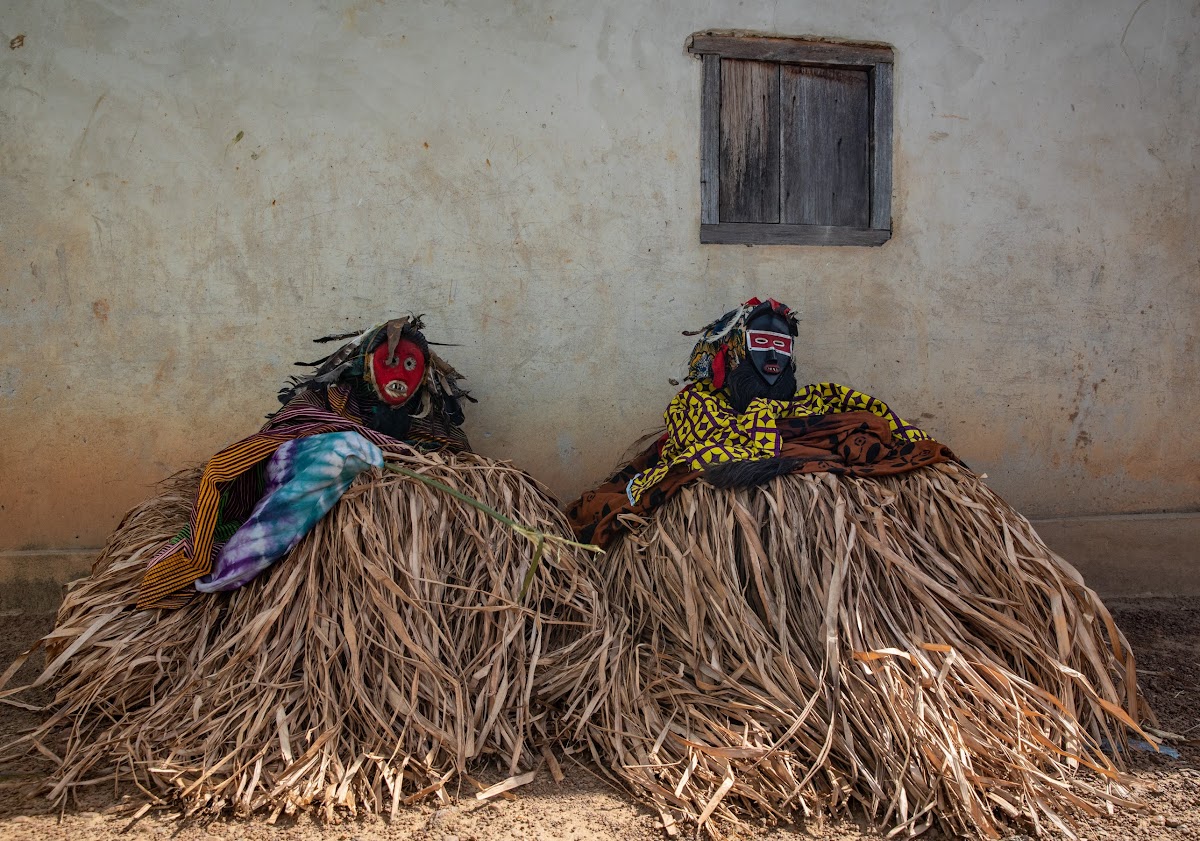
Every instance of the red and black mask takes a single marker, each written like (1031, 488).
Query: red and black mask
(395, 373)
(767, 371)
(769, 343)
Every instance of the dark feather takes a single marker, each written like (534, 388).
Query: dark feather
(744, 384)
(748, 474)
(337, 337)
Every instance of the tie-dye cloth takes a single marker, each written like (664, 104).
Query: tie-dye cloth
(305, 478)
(233, 483)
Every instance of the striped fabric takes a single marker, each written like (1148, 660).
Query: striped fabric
(304, 479)
(168, 582)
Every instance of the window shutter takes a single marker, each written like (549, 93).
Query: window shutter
(826, 150)
(796, 141)
(749, 141)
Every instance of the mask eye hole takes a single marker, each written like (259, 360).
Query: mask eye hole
(769, 341)
(409, 363)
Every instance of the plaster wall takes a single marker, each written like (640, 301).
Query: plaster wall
(192, 190)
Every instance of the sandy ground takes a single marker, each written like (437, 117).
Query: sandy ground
(1165, 635)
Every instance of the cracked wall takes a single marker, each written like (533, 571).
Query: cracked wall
(190, 193)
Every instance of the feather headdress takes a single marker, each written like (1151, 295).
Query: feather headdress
(722, 344)
(436, 408)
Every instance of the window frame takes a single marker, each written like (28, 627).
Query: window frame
(877, 59)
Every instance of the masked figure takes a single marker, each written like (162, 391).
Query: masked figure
(260, 496)
(270, 634)
(742, 420)
(817, 604)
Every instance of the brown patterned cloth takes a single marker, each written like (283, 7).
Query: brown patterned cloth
(843, 443)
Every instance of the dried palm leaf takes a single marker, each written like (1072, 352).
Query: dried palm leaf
(907, 644)
(394, 647)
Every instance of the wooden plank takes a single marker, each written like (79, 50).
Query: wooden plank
(731, 233)
(749, 154)
(881, 147)
(710, 141)
(825, 119)
(760, 48)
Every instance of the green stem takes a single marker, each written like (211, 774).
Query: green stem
(538, 537)
(533, 566)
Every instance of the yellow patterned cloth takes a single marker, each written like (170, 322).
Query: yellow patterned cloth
(703, 429)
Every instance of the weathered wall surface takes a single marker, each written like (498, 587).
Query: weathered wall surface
(192, 190)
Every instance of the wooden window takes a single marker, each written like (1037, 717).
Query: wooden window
(795, 141)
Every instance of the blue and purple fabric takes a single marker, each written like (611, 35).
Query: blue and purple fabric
(305, 478)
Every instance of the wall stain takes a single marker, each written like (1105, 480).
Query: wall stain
(167, 366)
(100, 310)
(61, 253)
(17, 43)
(78, 151)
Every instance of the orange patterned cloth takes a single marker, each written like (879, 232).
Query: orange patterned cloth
(851, 443)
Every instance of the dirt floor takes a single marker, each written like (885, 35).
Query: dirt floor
(1165, 635)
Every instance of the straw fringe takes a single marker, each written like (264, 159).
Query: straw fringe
(367, 670)
(906, 643)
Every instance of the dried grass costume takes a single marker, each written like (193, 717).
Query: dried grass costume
(854, 621)
(395, 646)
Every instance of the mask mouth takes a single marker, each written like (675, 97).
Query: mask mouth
(397, 390)
(772, 368)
